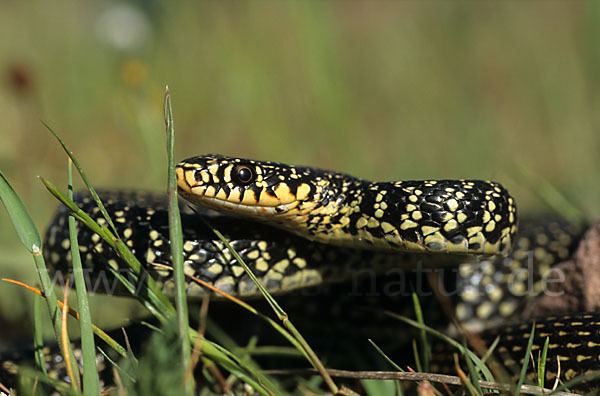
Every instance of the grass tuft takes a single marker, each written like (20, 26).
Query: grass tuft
(31, 238)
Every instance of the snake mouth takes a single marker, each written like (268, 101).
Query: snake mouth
(198, 196)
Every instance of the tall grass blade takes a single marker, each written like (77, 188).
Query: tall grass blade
(525, 361)
(176, 237)
(86, 181)
(91, 382)
(22, 221)
(425, 348)
(542, 355)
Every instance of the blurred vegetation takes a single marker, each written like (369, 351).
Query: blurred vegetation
(382, 90)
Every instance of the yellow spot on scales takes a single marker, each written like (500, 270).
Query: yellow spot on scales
(299, 262)
(372, 222)
(227, 173)
(452, 204)
(261, 264)
(188, 246)
(471, 231)
(387, 227)
(490, 226)
(302, 191)
(426, 230)
(361, 222)
(237, 271)
(486, 217)
(281, 265)
(253, 255)
(407, 224)
(450, 225)
(435, 241)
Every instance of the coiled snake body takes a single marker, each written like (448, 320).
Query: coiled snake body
(403, 221)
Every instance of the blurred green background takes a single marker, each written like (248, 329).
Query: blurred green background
(382, 90)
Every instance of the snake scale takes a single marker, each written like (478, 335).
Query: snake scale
(376, 226)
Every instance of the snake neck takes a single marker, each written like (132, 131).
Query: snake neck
(445, 216)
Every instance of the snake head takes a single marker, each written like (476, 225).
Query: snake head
(247, 187)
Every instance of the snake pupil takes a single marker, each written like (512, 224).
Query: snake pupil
(244, 174)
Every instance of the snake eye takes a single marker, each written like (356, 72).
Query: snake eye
(243, 174)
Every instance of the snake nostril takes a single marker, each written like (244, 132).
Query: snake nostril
(198, 175)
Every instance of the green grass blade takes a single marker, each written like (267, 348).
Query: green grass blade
(425, 348)
(525, 361)
(541, 374)
(22, 221)
(32, 240)
(415, 351)
(473, 374)
(176, 238)
(386, 357)
(116, 366)
(86, 181)
(490, 350)
(91, 382)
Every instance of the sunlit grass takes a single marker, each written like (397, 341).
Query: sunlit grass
(384, 91)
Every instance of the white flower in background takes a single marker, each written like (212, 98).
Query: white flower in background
(123, 26)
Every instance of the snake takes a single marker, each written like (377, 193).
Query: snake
(300, 227)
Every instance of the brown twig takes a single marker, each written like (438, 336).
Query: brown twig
(413, 376)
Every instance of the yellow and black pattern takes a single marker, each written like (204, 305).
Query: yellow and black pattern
(574, 344)
(281, 261)
(493, 289)
(573, 348)
(433, 216)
